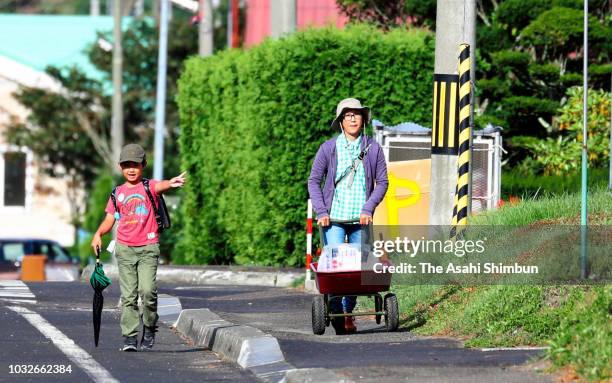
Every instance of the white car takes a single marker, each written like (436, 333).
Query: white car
(60, 265)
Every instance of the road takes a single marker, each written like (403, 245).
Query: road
(58, 308)
(62, 311)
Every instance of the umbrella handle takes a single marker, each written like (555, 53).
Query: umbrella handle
(97, 254)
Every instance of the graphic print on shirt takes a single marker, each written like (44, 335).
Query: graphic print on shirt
(134, 210)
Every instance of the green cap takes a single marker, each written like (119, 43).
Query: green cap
(132, 153)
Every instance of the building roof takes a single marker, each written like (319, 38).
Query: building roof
(310, 13)
(38, 41)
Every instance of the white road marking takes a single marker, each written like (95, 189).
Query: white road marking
(196, 287)
(13, 300)
(514, 349)
(16, 291)
(12, 283)
(21, 294)
(66, 345)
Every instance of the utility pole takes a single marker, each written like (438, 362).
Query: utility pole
(585, 158)
(94, 8)
(235, 24)
(230, 26)
(117, 108)
(205, 29)
(283, 17)
(610, 176)
(455, 24)
(139, 8)
(160, 101)
(610, 152)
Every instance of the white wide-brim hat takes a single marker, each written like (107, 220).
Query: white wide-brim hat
(352, 104)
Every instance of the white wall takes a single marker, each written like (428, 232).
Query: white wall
(46, 212)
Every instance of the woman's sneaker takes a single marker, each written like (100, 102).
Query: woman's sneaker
(148, 337)
(130, 343)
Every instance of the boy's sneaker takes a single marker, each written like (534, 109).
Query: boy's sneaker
(148, 337)
(130, 343)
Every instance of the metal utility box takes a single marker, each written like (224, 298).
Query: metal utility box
(407, 142)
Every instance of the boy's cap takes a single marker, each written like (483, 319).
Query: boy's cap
(132, 153)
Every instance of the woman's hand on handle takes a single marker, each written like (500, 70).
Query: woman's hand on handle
(323, 221)
(365, 219)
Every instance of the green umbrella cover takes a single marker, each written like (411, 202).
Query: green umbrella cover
(99, 281)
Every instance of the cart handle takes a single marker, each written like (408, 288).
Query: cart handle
(342, 221)
(354, 220)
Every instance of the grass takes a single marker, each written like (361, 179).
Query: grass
(564, 208)
(527, 186)
(575, 321)
(299, 282)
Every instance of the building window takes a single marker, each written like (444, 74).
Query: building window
(14, 182)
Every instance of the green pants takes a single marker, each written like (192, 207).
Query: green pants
(137, 276)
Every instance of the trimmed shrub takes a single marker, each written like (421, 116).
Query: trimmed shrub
(522, 113)
(251, 123)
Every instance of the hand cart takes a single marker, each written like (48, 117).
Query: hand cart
(336, 284)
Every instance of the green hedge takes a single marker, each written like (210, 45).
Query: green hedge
(251, 123)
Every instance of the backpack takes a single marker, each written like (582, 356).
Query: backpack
(161, 211)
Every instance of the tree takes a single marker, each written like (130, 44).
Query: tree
(69, 131)
(529, 53)
(558, 32)
(45, 7)
(390, 14)
(65, 129)
(66, 132)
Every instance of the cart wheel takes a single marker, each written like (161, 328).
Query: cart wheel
(318, 315)
(378, 304)
(327, 318)
(392, 312)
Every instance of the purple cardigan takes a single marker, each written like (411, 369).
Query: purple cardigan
(324, 167)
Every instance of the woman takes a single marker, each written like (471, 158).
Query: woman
(355, 173)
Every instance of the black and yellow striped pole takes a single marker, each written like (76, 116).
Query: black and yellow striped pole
(444, 138)
(461, 202)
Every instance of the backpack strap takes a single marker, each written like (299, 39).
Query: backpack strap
(114, 199)
(147, 187)
(353, 167)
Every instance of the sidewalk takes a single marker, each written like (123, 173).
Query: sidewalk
(368, 356)
(215, 275)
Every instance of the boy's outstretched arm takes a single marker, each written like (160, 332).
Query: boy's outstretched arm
(105, 227)
(165, 185)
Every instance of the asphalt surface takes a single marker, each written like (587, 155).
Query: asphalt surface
(67, 307)
(371, 355)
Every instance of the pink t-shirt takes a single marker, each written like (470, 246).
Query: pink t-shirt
(137, 225)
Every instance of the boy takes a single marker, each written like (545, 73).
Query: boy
(137, 249)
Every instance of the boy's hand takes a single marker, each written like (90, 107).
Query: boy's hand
(96, 243)
(178, 181)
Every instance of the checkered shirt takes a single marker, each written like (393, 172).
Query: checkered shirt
(348, 201)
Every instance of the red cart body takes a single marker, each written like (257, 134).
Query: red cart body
(351, 282)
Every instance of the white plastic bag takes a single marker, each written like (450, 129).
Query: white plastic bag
(342, 257)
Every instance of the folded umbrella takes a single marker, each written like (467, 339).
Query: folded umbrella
(99, 281)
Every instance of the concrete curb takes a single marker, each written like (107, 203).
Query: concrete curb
(201, 275)
(312, 375)
(248, 347)
(310, 285)
(168, 308)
